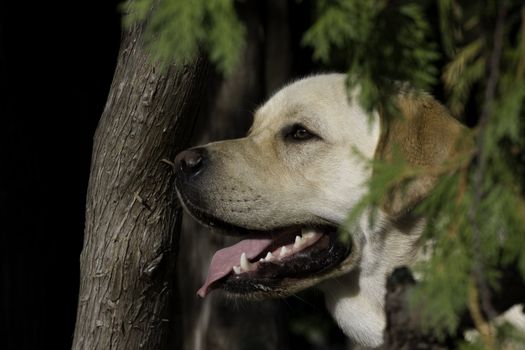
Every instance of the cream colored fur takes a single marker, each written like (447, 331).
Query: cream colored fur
(260, 182)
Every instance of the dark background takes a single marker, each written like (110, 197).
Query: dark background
(56, 66)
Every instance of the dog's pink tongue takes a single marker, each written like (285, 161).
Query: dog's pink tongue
(225, 259)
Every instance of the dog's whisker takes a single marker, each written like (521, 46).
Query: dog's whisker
(294, 295)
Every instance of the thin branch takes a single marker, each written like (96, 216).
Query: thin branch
(484, 328)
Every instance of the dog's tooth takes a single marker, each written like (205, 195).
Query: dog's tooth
(298, 242)
(269, 257)
(237, 270)
(283, 251)
(305, 231)
(245, 264)
(308, 233)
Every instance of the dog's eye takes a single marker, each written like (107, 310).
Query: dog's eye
(299, 133)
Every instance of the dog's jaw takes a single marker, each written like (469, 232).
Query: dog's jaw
(356, 300)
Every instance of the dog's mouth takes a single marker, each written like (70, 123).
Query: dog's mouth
(265, 263)
(272, 263)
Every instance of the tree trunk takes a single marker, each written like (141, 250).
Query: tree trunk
(127, 290)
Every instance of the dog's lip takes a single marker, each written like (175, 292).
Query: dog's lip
(296, 272)
(229, 229)
(302, 244)
(255, 244)
(213, 222)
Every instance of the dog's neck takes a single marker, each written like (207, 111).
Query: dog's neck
(356, 300)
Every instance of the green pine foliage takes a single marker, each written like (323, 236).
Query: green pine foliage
(176, 30)
(476, 213)
(378, 57)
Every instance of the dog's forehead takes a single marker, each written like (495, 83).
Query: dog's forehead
(304, 99)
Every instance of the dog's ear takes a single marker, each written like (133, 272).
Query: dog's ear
(426, 135)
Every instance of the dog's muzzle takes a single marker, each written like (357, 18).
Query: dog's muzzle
(269, 261)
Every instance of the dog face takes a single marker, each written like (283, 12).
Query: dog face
(289, 184)
(296, 174)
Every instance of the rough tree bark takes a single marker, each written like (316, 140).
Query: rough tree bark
(127, 285)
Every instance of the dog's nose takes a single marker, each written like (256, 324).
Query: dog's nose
(189, 162)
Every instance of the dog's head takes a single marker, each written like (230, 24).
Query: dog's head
(288, 185)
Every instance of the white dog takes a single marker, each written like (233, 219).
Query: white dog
(290, 183)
